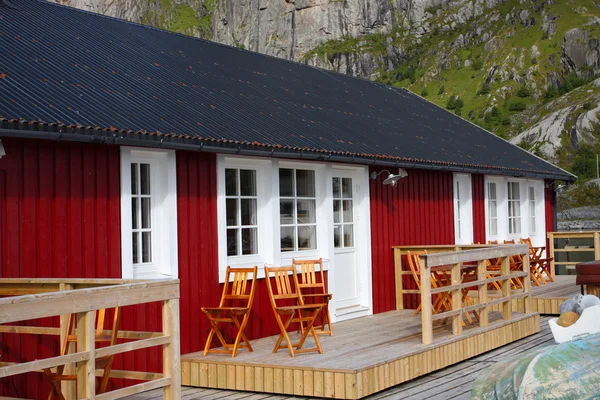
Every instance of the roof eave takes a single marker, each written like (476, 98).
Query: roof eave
(107, 136)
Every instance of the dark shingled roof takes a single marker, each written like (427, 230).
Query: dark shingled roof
(84, 75)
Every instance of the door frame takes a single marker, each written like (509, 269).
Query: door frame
(362, 218)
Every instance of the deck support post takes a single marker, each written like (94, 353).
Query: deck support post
(426, 307)
(171, 350)
(507, 304)
(482, 293)
(456, 299)
(398, 277)
(86, 342)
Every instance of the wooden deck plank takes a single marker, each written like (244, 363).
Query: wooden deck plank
(436, 385)
(353, 367)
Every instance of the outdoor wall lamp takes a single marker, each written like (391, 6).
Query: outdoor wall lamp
(392, 179)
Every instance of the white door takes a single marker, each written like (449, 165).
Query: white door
(351, 278)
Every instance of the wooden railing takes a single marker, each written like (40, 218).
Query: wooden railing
(399, 271)
(39, 298)
(592, 247)
(455, 262)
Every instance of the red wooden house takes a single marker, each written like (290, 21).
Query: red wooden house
(132, 152)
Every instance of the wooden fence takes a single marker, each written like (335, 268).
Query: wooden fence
(32, 299)
(457, 261)
(591, 249)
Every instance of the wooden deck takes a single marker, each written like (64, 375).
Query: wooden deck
(451, 383)
(546, 299)
(365, 356)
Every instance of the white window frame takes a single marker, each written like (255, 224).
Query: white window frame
(518, 233)
(264, 217)
(463, 208)
(538, 238)
(269, 234)
(531, 201)
(163, 189)
(489, 206)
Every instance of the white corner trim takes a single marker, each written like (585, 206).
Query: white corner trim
(2, 151)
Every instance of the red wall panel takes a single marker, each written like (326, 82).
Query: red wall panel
(478, 196)
(417, 211)
(56, 220)
(550, 204)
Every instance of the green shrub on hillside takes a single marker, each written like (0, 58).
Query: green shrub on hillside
(454, 103)
(524, 92)
(517, 106)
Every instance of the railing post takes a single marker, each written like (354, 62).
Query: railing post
(398, 276)
(426, 309)
(505, 271)
(69, 388)
(596, 245)
(171, 350)
(483, 295)
(527, 283)
(86, 342)
(456, 299)
(550, 253)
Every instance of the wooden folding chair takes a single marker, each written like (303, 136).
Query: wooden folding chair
(286, 290)
(312, 286)
(236, 303)
(541, 265)
(443, 301)
(516, 265)
(103, 363)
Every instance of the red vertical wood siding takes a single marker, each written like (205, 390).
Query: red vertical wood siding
(550, 204)
(417, 211)
(478, 196)
(56, 220)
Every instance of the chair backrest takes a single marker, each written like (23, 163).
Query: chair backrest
(286, 284)
(414, 263)
(310, 277)
(492, 242)
(512, 241)
(236, 287)
(526, 241)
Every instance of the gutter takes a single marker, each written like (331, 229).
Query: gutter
(173, 143)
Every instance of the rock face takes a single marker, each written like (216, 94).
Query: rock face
(289, 29)
(131, 10)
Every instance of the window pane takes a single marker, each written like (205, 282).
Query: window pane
(232, 242)
(146, 213)
(306, 211)
(288, 238)
(337, 242)
(145, 178)
(135, 247)
(146, 247)
(247, 182)
(249, 241)
(306, 183)
(231, 185)
(134, 178)
(348, 211)
(307, 237)
(348, 236)
(337, 193)
(248, 211)
(231, 212)
(286, 182)
(493, 227)
(493, 210)
(135, 221)
(337, 211)
(347, 187)
(492, 191)
(286, 212)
